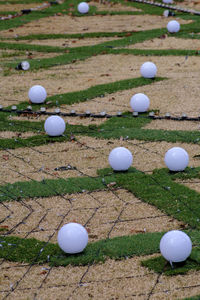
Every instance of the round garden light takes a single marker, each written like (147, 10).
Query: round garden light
(148, 70)
(175, 246)
(37, 94)
(83, 8)
(72, 238)
(54, 126)
(25, 65)
(173, 26)
(120, 159)
(139, 102)
(176, 159)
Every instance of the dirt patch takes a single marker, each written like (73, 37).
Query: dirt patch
(109, 6)
(86, 155)
(168, 43)
(173, 125)
(67, 24)
(41, 219)
(191, 4)
(72, 43)
(182, 83)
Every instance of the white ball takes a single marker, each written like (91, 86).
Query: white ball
(72, 238)
(148, 70)
(37, 94)
(176, 159)
(175, 246)
(173, 26)
(25, 65)
(140, 102)
(54, 126)
(168, 1)
(83, 8)
(120, 159)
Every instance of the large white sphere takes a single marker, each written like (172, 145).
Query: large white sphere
(83, 8)
(37, 94)
(176, 159)
(72, 238)
(148, 70)
(175, 246)
(168, 1)
(120, 159)
(140, 102)
(54, 126)
(173, 26)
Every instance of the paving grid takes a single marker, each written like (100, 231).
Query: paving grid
(81, 282)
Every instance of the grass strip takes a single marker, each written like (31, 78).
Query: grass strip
(34, 251)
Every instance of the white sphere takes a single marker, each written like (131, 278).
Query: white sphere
(54, 126)
(173, 26)
(72, 238)
(83, 8)
(140, 102)
(25, 65)
(120, 159)
(148, 70)
(175, 246)
(168, 1)
(37, 94)
(176, 159)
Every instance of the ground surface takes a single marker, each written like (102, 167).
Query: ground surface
(92, 63)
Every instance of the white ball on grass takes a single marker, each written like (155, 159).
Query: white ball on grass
(175, 246)
(83, 8)
(173, 26)
(72, 238)
(120, 159)
(37, 94)
(54, 126)
(148, 70)
(25, 65)
(176, 159)
(139, 102)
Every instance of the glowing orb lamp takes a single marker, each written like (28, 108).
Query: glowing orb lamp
(173, 26)
(54, 126)
(72, 238)
(83, 8)
(120, 159)
(37, 94)
(175, 246)
(176, 159)
(140, 102)
(148, 70)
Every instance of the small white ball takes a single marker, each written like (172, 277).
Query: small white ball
(120, 159)
(72, 238)
(54, 126)
(83, 8)
(25, 65)
(139, 102)
(168, 1)
(148, 70)
(176, 159)
(173, 26)
(175, 246)
(37, 94)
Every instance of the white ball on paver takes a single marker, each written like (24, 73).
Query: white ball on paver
(37, 94)
(72, 238)
(167, 1)
(173, 26)
(148, 70)
(139, 102)
(25, 65)
(120, 159)
(54, 126)
(175, 246)
(83, 8)
(176, 159)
